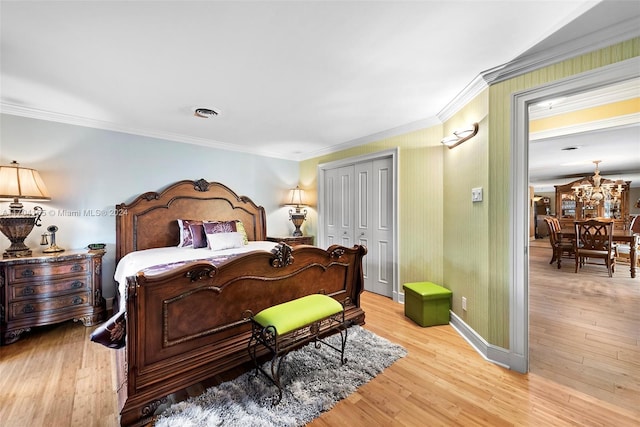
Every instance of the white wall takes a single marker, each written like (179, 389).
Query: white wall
(90, 170)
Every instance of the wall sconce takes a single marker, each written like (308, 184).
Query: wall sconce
(461, 135)
(297, 216)
(20, 183)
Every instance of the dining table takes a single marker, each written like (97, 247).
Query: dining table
(629, 237)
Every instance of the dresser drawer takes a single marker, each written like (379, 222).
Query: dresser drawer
(49, 306)
(47, 288)
(30, 272)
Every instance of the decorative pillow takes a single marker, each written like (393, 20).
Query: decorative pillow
(112, 332)
(211, 227)
(241, 230)
(186, 236)
(198, 236)
(219, 241)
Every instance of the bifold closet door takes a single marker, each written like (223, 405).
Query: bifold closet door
(359, 210)
(374, 223)
(338, 208)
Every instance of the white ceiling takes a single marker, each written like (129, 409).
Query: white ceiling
(291, 80)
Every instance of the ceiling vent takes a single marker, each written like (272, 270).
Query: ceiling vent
(204, 113)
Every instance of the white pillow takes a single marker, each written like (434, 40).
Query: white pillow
(219, 241)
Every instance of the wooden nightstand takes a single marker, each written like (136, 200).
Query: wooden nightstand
(46, 289)
(292, 240)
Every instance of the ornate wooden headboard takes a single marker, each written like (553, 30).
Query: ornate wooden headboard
(150, 220)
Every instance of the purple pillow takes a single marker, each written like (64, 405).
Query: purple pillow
(198, 236)
(186, 236)
(212, 227)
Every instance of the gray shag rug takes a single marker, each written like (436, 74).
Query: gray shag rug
(313, 382)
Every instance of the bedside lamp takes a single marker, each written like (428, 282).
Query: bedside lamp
(297, 216)
(20, 183)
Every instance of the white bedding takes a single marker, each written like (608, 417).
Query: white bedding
(134, 262)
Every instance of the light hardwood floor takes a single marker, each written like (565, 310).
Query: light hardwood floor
(585, 327)
(56, 377)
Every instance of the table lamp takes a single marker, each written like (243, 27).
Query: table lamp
(297, 216)
(20, 183)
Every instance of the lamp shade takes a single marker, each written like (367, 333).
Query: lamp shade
(296, 197)
(22, 183)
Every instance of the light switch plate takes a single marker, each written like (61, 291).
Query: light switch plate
(476, 194)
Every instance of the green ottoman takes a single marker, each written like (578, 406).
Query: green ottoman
(426, 303)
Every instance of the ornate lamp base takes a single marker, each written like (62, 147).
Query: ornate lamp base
(17, 226)
(297, 218)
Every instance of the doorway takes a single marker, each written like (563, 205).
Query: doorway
(519, 200)
(582, 325)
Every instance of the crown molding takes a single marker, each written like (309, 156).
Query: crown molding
(623, 31)
(472, 90)
(389, 133)
(34, 113)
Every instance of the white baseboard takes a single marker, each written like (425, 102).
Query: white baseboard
(494, 354)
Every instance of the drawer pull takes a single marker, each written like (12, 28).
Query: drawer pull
(76, 284)
(76, 267)
(28, 273)
(28, 309)
(76, 300)
(29, 290)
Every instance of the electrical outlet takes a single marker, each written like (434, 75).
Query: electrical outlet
(464, 303)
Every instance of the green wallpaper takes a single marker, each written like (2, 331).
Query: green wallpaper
(466, 243)
(444, 237)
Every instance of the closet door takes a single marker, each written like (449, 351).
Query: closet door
(338, 208)
(331, 207)
(374, 223)
(346, 199)
(359, 209)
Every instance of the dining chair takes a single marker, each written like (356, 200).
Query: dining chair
(624, 250)
(594, 239)
(559, 247)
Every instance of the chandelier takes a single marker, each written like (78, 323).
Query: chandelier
(597, 189)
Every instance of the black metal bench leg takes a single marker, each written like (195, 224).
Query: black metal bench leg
(275, 377)
(343, 339)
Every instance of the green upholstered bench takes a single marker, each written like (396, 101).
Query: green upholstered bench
(426, 303)
(284, 327)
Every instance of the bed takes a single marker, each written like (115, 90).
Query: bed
(186, 321)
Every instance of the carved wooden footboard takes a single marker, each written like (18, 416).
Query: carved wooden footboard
(187, 325)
